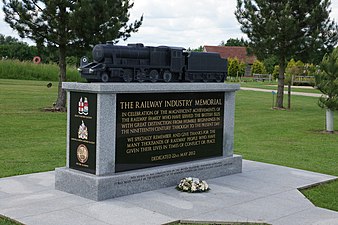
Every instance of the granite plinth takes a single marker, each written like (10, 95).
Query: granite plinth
(110, 186)
(108, 182)
(148, 87)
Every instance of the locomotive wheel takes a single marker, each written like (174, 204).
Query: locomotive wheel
(153, 76)
(191, 77)
(127, 76)
(104, 77)
(218, 77)
(167, 76)
(140, 76)
(205, 77)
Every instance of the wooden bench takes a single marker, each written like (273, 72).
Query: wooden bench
(261, 77)
(303, 80)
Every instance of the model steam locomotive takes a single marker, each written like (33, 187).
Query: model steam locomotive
(139, 63)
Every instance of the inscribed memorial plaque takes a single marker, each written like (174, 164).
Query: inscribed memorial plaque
(82, 138)
(165, 128)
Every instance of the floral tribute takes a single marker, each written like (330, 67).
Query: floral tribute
(191, 184)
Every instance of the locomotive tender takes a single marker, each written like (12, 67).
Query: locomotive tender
(139, 63)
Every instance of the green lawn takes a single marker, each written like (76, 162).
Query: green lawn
(33, 140)
(7, 221)
(324, 195)
(289, 138)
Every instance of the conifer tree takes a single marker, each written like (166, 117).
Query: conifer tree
(287, 28)
(66, 24)
(327, 83)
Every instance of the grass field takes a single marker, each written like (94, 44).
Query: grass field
(7, 221)
(289, 138)
(33, 140)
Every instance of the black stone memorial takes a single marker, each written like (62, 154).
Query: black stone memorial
(82, 129)
(154, 130)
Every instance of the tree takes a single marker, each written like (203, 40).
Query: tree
(292, 69)
(5, 40)
(269, 63)
(258, 67)
(234, 42)
(12, 48)
(199, 49)
(67, 24)
(327, 83)
(235, 67)
(286, 28)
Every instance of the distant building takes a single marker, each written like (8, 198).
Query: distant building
(234, 52)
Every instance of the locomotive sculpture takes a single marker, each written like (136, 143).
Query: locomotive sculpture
(139, 63)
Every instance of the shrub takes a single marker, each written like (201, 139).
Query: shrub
(258, 67)
(235, 67)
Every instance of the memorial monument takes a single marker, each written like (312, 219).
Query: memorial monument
(125, 138)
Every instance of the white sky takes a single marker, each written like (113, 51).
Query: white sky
(182, 23)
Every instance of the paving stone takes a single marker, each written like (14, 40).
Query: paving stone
(36, 208)
(311, 216)
(121, 212)
(279, 178)
(62, 217)
(171, 206)
(24, 199)
(247, 184)
(268, 208)
(16, 186)
(221, 215)
(262, 193)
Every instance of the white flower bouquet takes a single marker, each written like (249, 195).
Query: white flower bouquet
(191, 184)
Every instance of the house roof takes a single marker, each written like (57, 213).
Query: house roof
(231, 52)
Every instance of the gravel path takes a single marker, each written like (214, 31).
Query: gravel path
(285, 92)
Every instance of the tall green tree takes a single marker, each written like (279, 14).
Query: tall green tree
(234, 42)
(4, 40)
(269, 63)
(12, 48)
(287, 28)
(327, 83)
(67, 24)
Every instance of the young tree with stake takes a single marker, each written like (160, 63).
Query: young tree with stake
(327, 83)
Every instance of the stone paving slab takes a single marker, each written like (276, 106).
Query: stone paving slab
(311, 216)
(262, 193)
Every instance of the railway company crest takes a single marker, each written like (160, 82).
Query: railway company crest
(82, 153)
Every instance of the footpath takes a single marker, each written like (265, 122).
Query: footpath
(261, 193)
(285, 92)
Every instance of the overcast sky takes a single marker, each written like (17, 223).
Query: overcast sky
(183, 23)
